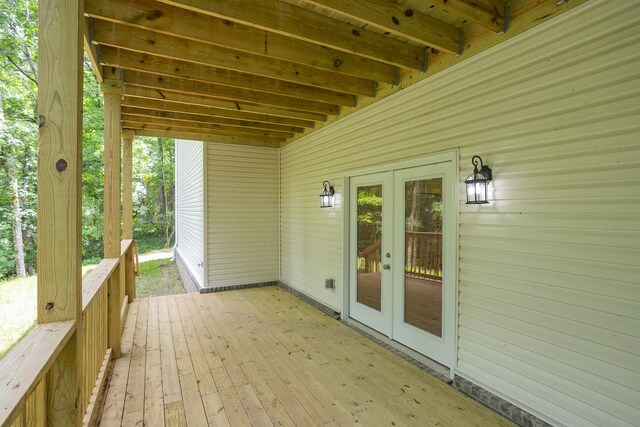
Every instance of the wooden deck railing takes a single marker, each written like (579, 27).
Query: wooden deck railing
(423, 256)
(24, 371)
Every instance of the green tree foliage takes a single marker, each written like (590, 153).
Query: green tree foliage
(153, 167)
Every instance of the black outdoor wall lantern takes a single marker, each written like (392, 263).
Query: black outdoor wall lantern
(326, 197)
(478, 182)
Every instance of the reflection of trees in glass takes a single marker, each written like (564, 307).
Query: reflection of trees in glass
(423, 222)
(423, 205)
(369, 215)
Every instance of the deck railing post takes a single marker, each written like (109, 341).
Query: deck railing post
(60, 48)
(127, 184)
(112, 91)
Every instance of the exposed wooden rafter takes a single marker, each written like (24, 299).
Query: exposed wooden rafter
(399, 20)
(149, 42)
(161, 18)
(156, 93)
(225, 92)
(286, 19)
(209, 137)
(488, 13)
(166, 107)
(287, 66)
(195, 118)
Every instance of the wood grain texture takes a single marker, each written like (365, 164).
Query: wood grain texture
(207, 137)
(152, 106)
(112, 90)
(133, 122)
(263, 357)
(60, 48)
(488, 13)
(201, 118)
(199, 27)
(152, 43)
(400, 20)
(127, 185)
(27, 364)
(259, 85)
(284, 18)
(196, 86)
(159, 94)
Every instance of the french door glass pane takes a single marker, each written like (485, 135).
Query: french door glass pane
(369, 245)
(423, 255)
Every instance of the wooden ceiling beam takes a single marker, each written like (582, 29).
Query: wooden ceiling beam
(232, 80)
(487, 13)
(256, 142)
(298, 23)
(145, 41)
(204, 127)
(183, 23)
(199, 110)
(159, 94)
(91, 50)
(195, 118)
(197, 134)
(399, 20)
(225, 92)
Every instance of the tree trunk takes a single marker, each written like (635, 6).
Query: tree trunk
(16, 217)
(411, 224)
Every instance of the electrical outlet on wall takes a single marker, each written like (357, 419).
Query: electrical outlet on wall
(329, 283)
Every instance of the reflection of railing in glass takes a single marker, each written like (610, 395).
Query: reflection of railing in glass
(423, 257)
(369, 259)
(424, 254)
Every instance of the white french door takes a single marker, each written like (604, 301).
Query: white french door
(402, 247)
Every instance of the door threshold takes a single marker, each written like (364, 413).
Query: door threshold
(434, 368)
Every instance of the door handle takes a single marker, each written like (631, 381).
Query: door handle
(387, 267)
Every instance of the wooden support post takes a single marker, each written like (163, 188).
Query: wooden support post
(112, 90)
(127, 184)
(60, 198)
(130, 274)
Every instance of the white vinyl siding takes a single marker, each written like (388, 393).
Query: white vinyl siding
(242, 199)
(549, 285)
(190, 207)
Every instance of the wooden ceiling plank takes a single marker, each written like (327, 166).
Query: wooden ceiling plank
(145, 41)
(399, 20)
(487, 13)
(159, 94)
(204, 127)
(225, 92)
(147, 112)
(292, 21)
(184, 23)
(199, 110)
(198, 130)
(265, 87)
(263, 142)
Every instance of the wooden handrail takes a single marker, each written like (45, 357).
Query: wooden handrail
(105, 290)
(27, 364)
(95, 279)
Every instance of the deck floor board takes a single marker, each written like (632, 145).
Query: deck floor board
(262, 357)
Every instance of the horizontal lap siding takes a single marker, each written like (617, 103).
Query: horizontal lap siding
(549, 292)
(190, 205)
(242, 215)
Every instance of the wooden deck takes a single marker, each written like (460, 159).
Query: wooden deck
(264, 357)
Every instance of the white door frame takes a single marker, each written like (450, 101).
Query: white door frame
(447, 156)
